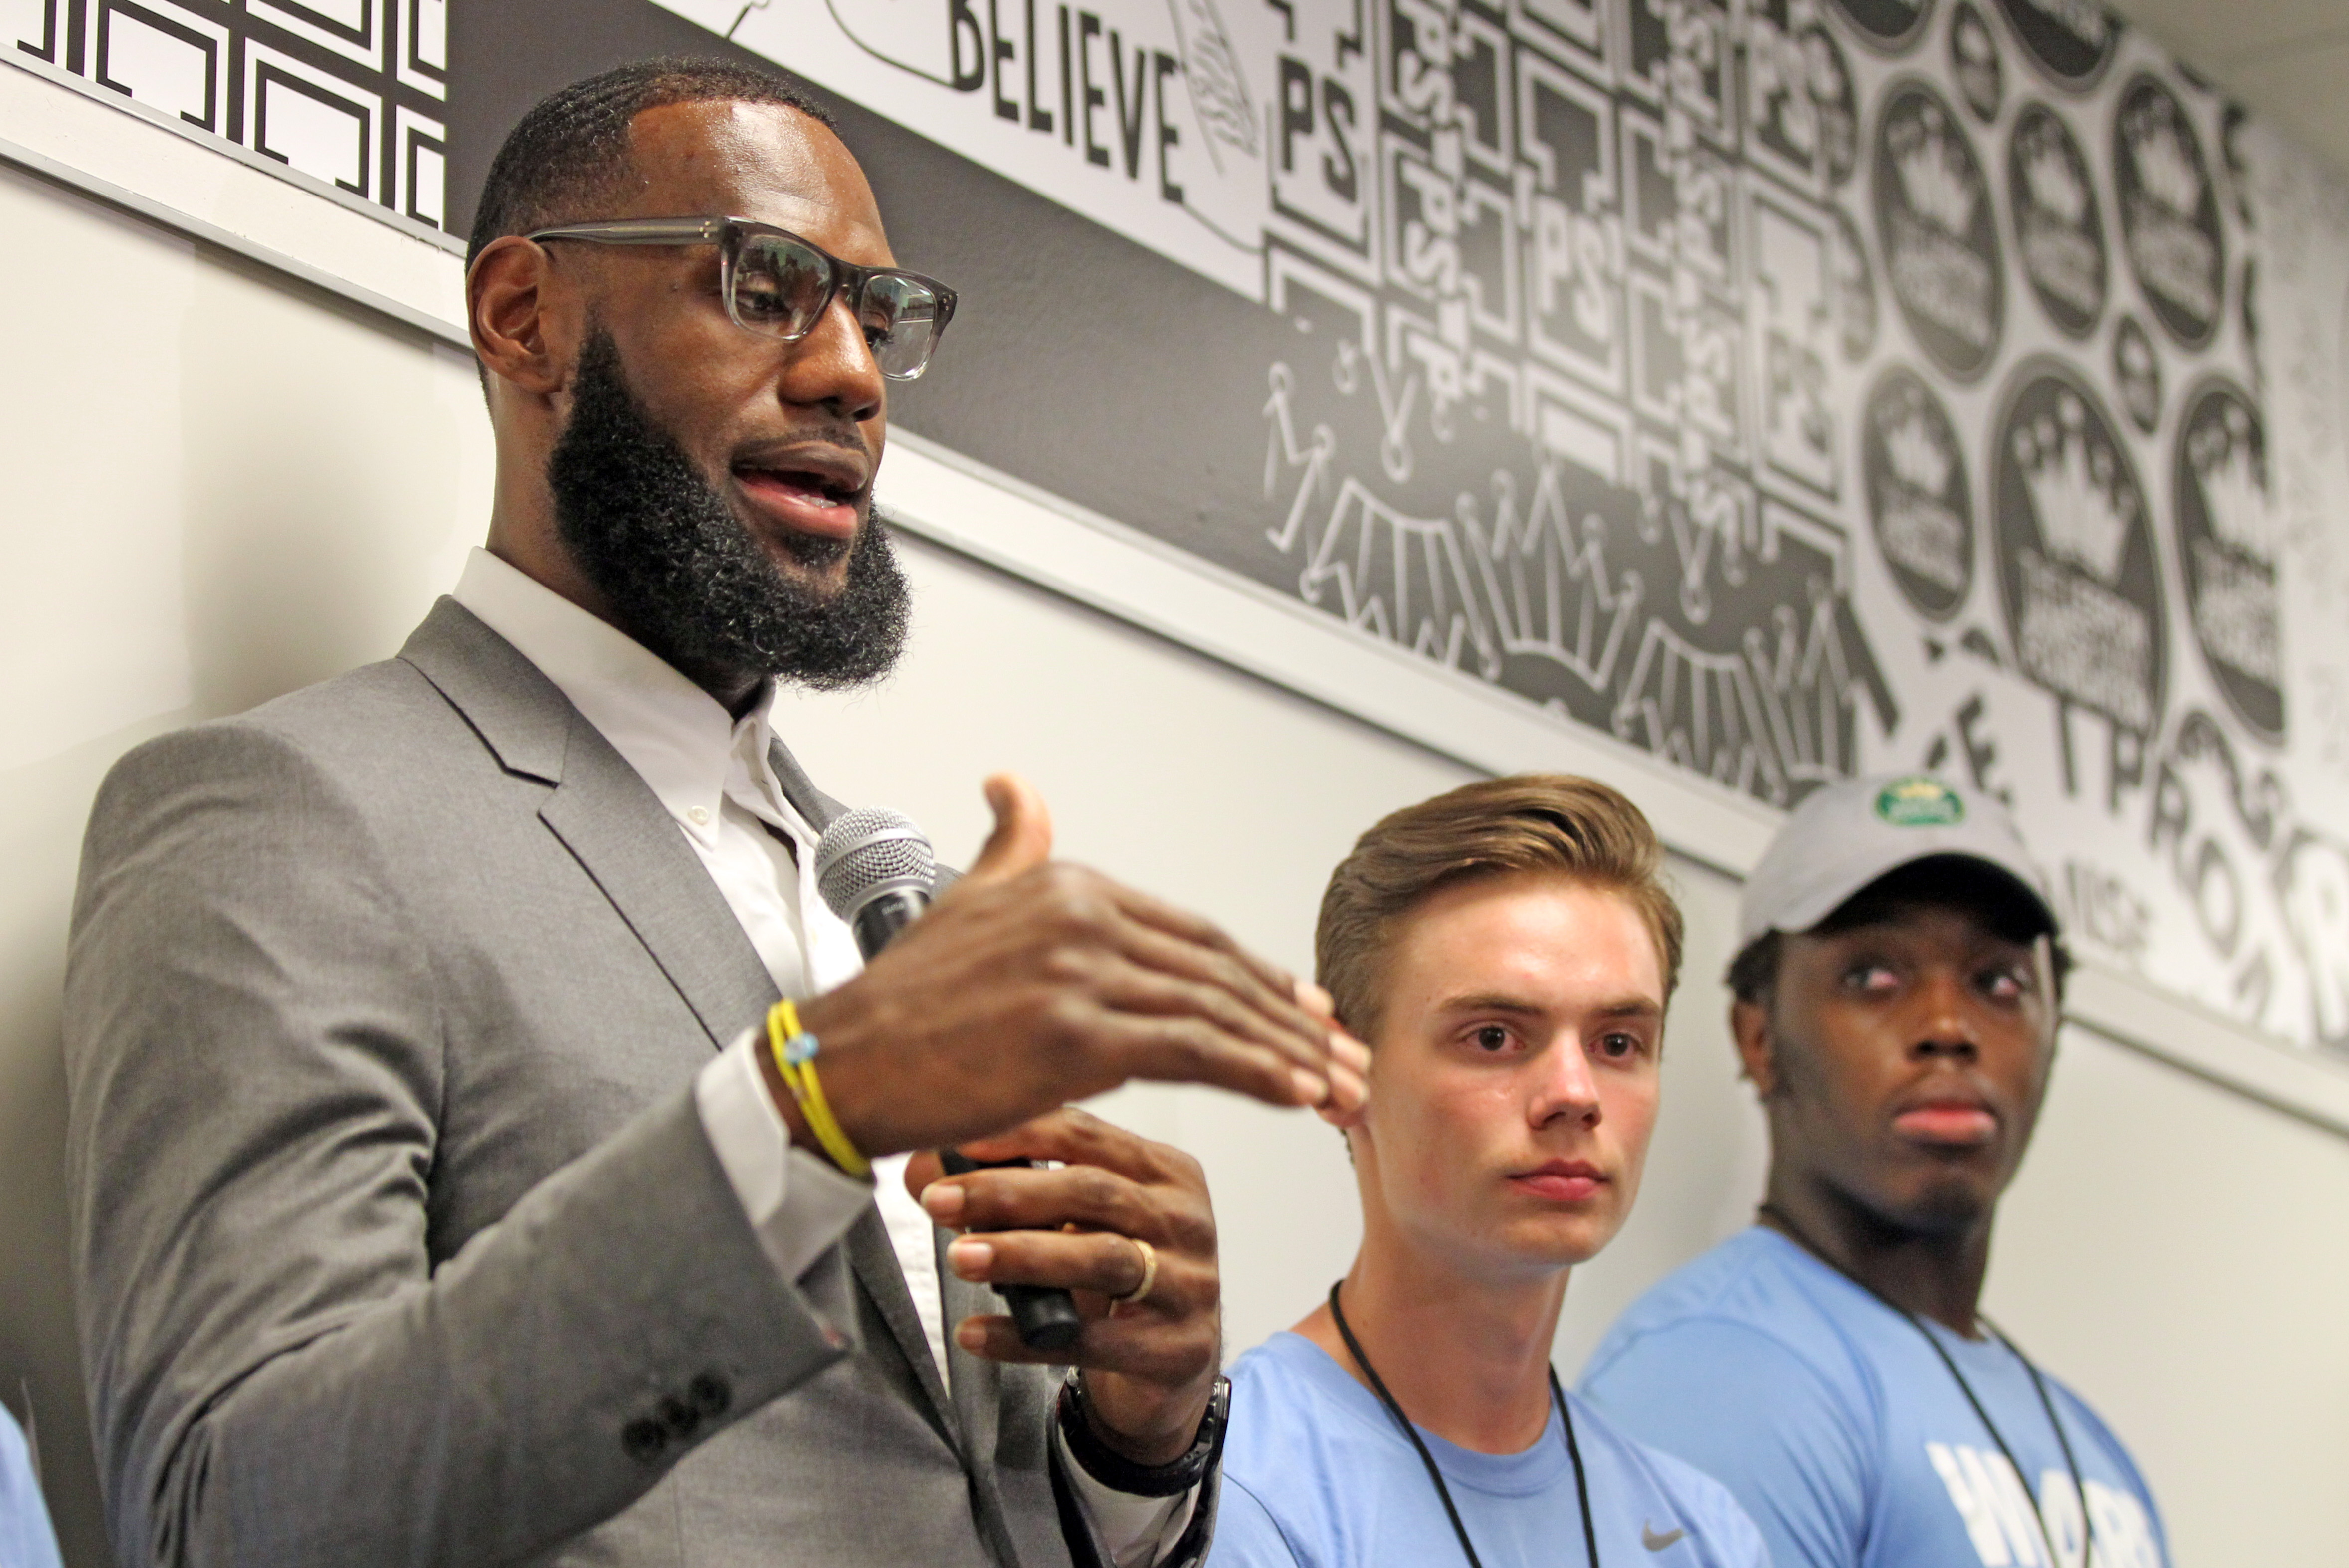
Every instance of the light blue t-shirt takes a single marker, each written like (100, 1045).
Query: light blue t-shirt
(1830, 1418)
(1317, 1475)
(26, 1539)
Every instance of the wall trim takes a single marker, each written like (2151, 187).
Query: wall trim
(64, 130)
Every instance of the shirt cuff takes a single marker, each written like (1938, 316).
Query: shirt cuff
(799, 1206)
(1131, 1532)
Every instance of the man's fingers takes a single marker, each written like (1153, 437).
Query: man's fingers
(1199, 931)
(1136, 1345)
(1022, 836)
(1189, 1049)
(922, 1170)
(1102, 1262)
(1074, 1136)
(1092, 1200)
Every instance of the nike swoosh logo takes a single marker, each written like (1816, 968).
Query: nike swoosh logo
(1655, 1542)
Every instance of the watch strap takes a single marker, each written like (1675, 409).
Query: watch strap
(1119, 1473)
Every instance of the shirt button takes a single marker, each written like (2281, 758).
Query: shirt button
(700, 815)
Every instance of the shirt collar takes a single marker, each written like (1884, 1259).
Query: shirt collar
(677, 736)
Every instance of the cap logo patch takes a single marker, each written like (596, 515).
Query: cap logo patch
(1918, 801)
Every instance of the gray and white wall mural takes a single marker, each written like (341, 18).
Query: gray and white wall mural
(1785, 387)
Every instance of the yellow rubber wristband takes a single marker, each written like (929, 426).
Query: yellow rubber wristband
(793, 1049)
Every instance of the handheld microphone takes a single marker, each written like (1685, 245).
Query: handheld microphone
(874, 869)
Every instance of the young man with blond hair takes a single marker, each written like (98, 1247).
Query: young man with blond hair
(1507, 951)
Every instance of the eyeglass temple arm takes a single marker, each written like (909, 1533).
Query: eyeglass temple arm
(638, 232)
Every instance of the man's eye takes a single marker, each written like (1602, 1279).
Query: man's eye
(1870, 977)
(1619, 1046)
(2006, 985)
(1492, 1037)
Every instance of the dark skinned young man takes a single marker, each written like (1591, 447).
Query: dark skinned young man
(1896, 1007)
(452, 1181)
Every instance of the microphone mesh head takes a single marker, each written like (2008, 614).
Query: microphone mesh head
(868, 853)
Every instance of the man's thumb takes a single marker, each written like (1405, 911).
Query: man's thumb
(1023, 830)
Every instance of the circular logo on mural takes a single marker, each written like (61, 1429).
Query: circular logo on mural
(2137, 374)
(1939, 238)
(1800, 106)
(1855, 289)
(1890, 26)
(2169, 213)
(1920, 500)
(2072, 40)
(2228, 541)
(1974, 61)
(2075, 546)
(2059, 225)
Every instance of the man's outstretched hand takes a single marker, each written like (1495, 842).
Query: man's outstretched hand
(1033, 983)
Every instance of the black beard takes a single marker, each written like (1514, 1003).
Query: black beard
(683, 576)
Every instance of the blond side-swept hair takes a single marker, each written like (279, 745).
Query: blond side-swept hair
(1578, 828)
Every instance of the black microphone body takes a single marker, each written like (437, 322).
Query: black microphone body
(884, 916)
(874, 869)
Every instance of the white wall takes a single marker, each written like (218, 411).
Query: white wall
(220, 486)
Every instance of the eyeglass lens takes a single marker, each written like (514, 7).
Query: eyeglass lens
(783, 285)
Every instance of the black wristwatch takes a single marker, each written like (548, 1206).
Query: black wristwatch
(1117, 1472)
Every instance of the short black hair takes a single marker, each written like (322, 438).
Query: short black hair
(570, 150)
(2012, 912)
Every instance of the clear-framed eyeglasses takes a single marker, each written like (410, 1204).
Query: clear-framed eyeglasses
(777, 285)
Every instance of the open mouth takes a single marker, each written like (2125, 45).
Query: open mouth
(804, 500)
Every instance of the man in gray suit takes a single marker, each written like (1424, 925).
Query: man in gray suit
(447, 1184)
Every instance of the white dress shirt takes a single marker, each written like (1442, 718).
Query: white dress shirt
(712, 774)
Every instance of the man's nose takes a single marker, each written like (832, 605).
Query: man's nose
(1567, 1087)
(833, 366)
(1944, 1022)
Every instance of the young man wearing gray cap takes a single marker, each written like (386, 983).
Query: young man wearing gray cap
(1896, 992)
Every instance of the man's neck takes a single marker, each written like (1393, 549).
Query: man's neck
(1933, 1274)
(1467, 1359)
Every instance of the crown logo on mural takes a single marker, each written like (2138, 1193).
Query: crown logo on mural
(2237, 504)
(2165, 166)
(1938, 184)
(2075, 493)
(1917, 455)
(2054, 186)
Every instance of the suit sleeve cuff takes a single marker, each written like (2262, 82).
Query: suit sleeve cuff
(798, 1205)
(1131, 1532)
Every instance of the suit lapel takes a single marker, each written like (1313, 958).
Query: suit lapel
(604, 814)
(977, 1382)
(608, 818)
(874, 1261)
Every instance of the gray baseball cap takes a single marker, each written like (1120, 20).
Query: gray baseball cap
(1850, 833)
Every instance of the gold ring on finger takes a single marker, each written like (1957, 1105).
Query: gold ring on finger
(1140, 1292)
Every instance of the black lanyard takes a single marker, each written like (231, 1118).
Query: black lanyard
(1557, 1397)
(2038, 1385)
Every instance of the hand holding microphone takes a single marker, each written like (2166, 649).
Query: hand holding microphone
(1027, 984)
(875, 870)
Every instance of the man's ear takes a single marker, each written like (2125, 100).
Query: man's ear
(506, 307)
(1357, 1115)
(1757, 1050)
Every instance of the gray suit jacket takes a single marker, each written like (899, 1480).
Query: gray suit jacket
(396, 1235)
